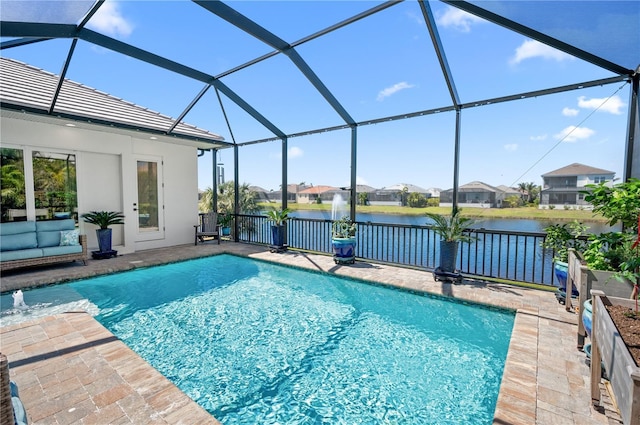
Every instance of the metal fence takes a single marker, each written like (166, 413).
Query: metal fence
(516, 256)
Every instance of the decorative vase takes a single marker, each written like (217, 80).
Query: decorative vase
(277, 236)
(104, 239)
(448, 255)
(561, 269)
(344, 250)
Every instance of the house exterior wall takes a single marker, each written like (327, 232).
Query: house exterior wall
(469, 199)
(107, 179)
(562, 191)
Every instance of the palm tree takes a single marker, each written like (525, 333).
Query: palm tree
(522, 187)
(532, 191)
(206, 201)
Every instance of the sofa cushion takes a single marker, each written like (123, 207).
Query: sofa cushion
(55, 225)
(49, 231)
(19, 413)
(15, 227)
(69, 237)
(21, 254)
(18, 241)
(61, 250)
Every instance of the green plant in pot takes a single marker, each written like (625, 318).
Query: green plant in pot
(104, 219)
(343, 240)
(618, 252)
(225, 220)
(560, 238)
(452, 231)
(615, 317)
(278, 229)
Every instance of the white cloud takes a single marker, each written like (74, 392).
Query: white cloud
(393, 90)
(360, 180)
(573, 134)
(538, 138)
(109, 20)
(534, 49)
(457, 19)
(511, 147)
(613, 105)
(416, 18)
(295, 152)
(570, 112)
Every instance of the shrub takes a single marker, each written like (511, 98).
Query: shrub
(416, 200)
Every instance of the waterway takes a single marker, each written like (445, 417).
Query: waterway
(505, 224)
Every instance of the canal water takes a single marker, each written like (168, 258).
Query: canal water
(509, 225)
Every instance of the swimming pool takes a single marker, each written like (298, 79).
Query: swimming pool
(254, 342)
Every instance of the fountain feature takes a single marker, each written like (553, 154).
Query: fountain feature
(343, 241)
(338, 207)
(18, 300)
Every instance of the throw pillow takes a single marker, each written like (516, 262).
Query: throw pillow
(69, 237)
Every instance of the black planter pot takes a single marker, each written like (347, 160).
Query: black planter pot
(448, 255)
(104, 239)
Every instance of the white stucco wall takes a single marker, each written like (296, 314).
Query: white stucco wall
(106, 176)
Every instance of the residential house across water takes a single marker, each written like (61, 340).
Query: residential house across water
(562, 188)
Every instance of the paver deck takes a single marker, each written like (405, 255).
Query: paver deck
(70, 369)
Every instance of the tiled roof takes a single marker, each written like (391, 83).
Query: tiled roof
(477, 186)
(31, 88)
(400, 186)
(577, 169)
(363, 188)
(507, 189)
(318, 190)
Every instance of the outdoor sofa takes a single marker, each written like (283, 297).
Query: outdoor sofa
(37, 243)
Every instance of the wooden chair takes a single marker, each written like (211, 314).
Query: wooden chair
(208, 227)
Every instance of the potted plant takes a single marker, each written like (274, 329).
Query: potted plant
(104, 219)
(609, 261)
(225, 220)
(343, 240)
(278, 229)
(452, 231)
(614, 319)
(613, 323)
(561, 238)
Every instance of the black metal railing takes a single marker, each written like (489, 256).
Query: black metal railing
(509, 255)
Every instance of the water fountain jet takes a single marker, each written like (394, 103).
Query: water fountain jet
(18, 300)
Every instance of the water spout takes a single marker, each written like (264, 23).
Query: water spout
(18, 300)
(338, 207)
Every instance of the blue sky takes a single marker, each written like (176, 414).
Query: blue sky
(380, 66)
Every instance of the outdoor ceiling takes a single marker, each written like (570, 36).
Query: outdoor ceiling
(604, 33)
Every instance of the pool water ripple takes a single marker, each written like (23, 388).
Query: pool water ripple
(257, 343)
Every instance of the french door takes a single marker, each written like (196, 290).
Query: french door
(150, 204)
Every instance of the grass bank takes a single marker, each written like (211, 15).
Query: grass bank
(515, 213)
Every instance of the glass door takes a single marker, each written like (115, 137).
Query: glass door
(150, 207)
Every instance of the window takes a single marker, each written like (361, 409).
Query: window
(54, 185)
(599, 179)
(13, 197)
(148, 196)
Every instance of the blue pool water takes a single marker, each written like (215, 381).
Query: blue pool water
(258, 343)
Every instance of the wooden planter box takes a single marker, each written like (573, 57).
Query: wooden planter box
(607, 347)
(585, 280)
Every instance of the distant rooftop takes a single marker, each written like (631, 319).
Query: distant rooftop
(577, 169)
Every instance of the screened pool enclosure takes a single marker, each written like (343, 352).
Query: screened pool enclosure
(432, 93)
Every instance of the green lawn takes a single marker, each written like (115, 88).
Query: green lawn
(522, 212)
